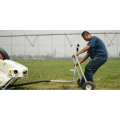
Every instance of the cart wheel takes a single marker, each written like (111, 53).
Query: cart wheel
(88, 85)
(78, 82)
(3, 54)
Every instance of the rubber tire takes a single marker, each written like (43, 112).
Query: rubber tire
(78, 82)
(88, 82)
(4, 54)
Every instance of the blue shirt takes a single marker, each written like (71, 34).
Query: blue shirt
(97, 48)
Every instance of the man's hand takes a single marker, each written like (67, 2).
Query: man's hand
(75, 55)
(76, 64)
(81, 61)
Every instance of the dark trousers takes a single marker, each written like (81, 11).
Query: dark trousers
(91, 68)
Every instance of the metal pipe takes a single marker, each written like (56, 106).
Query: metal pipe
(38, 48)
(80, 68)
(58, 34)
(117, 46)
(11, 47)
(7, 84)
(65, 45)
(51, 47)
(25, 46)
(61, 81)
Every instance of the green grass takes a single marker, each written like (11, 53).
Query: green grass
(106, 78)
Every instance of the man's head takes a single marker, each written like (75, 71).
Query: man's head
(86, 35)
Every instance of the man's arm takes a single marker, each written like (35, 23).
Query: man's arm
(81, 61)
(83, 50)
(87, 55)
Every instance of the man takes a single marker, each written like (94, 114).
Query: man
(97, 51)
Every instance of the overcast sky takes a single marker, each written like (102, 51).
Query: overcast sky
(20, 45)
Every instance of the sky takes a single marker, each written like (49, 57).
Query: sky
(49, 44)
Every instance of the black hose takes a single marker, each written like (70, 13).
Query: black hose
(30, 83)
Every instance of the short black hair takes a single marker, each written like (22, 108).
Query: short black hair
(85, 32)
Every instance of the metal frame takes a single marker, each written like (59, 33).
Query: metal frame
(58, 34)
(71, 44)
(75, 60)
(3, 88)
(9, 82)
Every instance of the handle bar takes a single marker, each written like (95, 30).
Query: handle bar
(75, 59)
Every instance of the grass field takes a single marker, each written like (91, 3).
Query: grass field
(106, 78)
